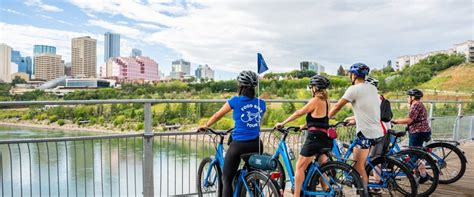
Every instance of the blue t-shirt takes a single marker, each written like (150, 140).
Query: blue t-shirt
(247, 115)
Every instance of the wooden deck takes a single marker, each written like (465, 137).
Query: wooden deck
(463, 187)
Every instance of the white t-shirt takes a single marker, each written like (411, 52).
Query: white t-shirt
(366, 106)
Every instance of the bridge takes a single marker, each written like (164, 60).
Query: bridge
(153, 163)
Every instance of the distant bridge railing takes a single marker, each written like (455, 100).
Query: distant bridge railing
(145, 163)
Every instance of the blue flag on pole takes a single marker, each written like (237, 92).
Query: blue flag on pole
(262, 66)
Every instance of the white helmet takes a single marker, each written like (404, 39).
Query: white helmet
(372, 81)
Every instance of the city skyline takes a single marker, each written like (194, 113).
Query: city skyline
(199, 31)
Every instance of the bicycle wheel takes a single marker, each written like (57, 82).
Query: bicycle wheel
(391, 170)
(339, 177)
(451, 166)
(259, 184)
(210, 185)
(417, 160)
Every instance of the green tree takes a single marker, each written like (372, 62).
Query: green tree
(18, 80)
(341, 71)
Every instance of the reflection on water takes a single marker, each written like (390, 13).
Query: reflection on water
(110, 167)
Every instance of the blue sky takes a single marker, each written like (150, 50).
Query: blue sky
(228, 34)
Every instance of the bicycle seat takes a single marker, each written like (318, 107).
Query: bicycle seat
(397, 133)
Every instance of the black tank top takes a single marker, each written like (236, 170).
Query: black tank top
(318, 122)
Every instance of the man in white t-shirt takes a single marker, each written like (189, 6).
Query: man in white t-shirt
(366, 106)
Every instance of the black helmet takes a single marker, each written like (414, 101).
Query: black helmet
(321, 82)
(247, 78)
(372, 81)
(415, 92)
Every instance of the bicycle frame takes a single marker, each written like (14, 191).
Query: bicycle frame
(219, 160)
(314, 167)
(337, 152)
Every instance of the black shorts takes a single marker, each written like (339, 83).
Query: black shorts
(315, 141)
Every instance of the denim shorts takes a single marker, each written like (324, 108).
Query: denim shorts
(417, 139)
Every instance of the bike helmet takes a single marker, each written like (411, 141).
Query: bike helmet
(372, 81)
(415, 92)
(247, 78)
(359, 69)
(321, 82)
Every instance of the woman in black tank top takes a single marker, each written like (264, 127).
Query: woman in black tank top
(317, 137)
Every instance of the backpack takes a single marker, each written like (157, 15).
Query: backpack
(386, 114)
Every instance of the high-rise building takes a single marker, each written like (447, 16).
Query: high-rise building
(313, 66)
(5, 63)
(23, 63)
(136, 52)
(179, 68)
(48, 66)
(111, 45)
(204, 72)
(84, 57)
(130, 68)
(67, 69)
(39, 49)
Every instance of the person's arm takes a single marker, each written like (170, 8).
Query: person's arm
(337, 107)
(406, 120)
(309, 107)
(218, 115)
(350, 120)
(412, 115)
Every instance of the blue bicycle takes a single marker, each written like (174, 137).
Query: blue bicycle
(444, 152)
(385, 172)
(248, 181)
(332, 178)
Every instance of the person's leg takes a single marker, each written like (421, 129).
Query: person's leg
(360, 158)
(322, 160)
(231, 164)
(301, 166)
(417, 139)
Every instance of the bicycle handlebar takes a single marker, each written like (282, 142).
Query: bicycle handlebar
(288, 129)
(222, 133)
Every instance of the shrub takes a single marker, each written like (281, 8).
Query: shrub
(139, 126)
(101, 120)
(119, 120)
(42, 116)
(53, 118)
(61, 122)
(92, 120)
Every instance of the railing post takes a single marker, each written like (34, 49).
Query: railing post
(148, 190)
(471, 129)
(457, 123)
(430, 115)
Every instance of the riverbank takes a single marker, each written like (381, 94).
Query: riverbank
(65, 127)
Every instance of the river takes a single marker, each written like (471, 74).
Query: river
(95, 167)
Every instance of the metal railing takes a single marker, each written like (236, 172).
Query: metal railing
(148, 163)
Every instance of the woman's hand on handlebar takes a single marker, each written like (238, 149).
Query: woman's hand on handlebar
(350, 120)
(202, 128)
(279, 125)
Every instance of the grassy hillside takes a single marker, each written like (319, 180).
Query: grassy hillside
(455, 78)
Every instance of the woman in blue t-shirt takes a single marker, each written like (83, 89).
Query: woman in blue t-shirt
(247, 113)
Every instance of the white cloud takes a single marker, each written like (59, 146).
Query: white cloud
(13, 12)
(229, 34)
(23, 37)
(43, 6)
(121, 29)
(146, 12)
(149, 26)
